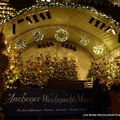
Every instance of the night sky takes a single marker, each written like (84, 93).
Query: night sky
(19, 4)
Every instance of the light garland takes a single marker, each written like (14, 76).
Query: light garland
(98, 49)
(38, 36)
(61, 35)
(106, 68)
(84, 40)
(51, 4)
(5, 9)
(37, 72)
(13, 72)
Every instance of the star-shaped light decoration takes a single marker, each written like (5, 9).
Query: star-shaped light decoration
(20, 44)
(61, 35)
(38, 36)
(98, 49)
(84, 40)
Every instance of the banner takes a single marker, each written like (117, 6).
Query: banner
(44, 102)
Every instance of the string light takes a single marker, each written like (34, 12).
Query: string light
(106, 68)
(5, 9)
(51, 4)
(12, 52)
(38, 71)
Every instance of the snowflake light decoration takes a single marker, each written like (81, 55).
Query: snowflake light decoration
(84, 40)
(98, 49)
(20, 44)
(38, 36)
(61, 35)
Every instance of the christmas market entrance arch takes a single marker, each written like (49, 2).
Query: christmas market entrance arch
(76, 26)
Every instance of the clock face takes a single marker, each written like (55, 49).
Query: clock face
(3, 62)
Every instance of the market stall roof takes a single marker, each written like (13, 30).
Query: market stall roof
(96, 33)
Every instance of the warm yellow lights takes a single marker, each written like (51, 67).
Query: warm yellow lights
(11, 81)
(5, 9)
(5, 42)
(98, 49)
(11, 67)
(114, 31)
(3, 3)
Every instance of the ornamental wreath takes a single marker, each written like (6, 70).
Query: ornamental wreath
(61, 35)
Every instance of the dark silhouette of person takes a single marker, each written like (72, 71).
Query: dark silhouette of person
(115, 95)
(106, 97)
(101, 99)
(97, 96)
(116, 85)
